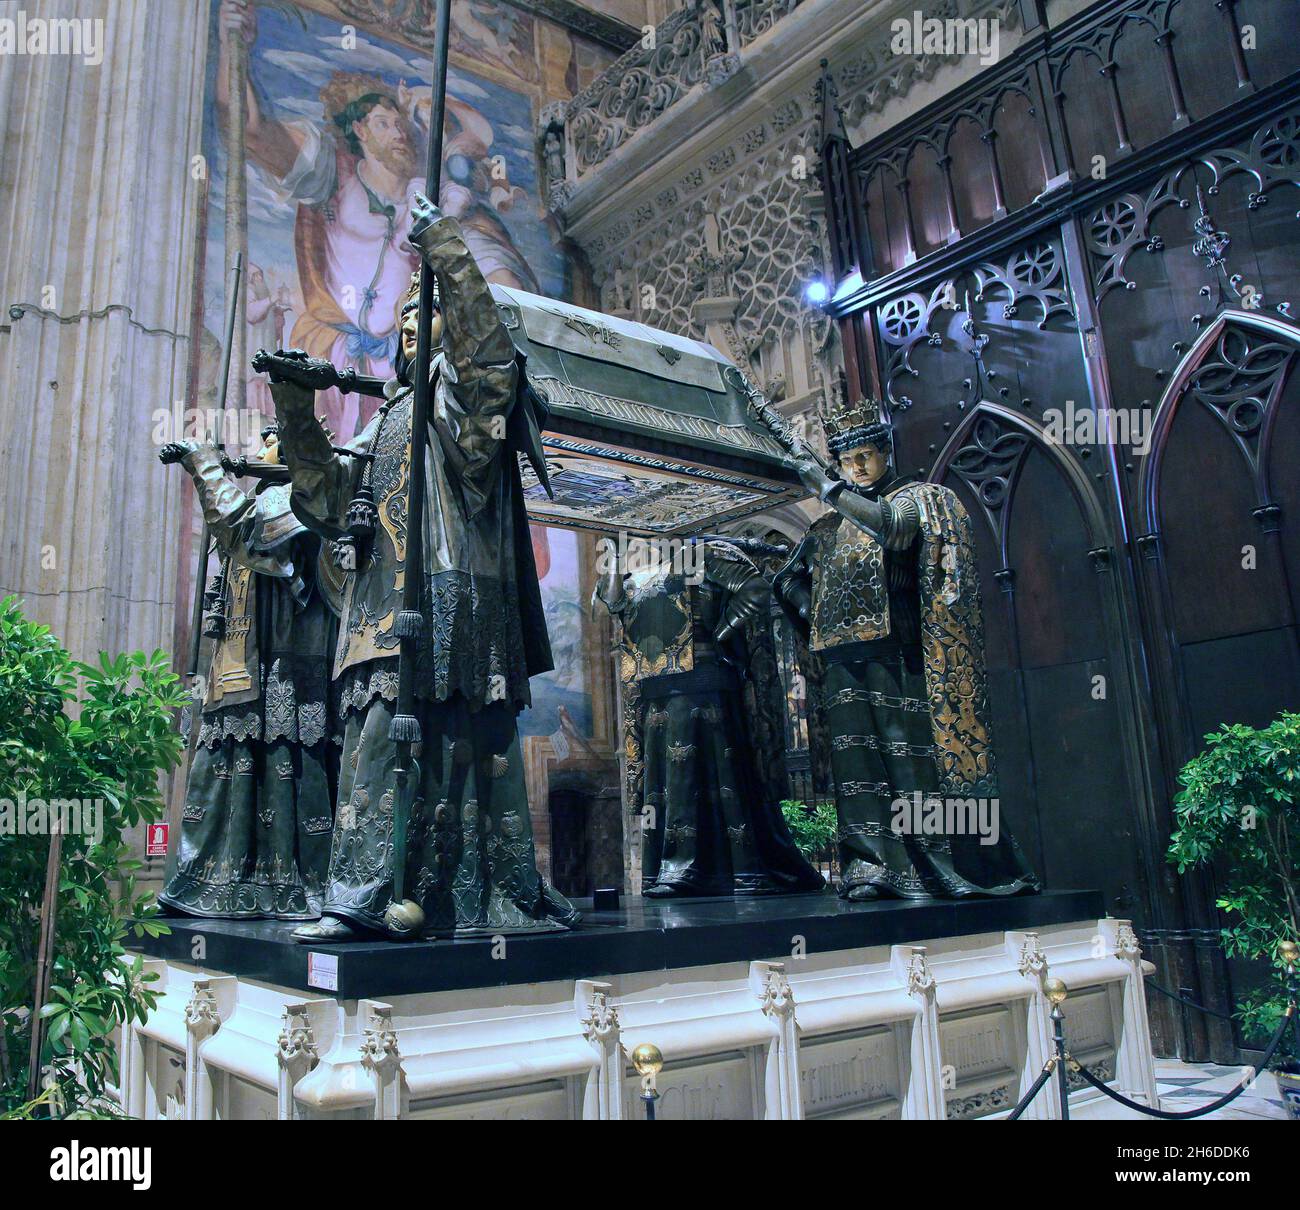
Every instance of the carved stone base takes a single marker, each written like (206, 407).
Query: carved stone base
(941, 1028)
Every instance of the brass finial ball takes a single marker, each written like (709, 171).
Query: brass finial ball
(1289, 952)
(648, 1059)
(1056, 991)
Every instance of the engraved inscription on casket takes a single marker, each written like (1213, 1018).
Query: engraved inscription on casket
(245, 1102)
(548, 1102)
(714, 1089)
(977, 1043)
(850, 1075)
(980, 1067)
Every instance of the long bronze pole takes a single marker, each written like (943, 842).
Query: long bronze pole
(201, 574)
(405, 729)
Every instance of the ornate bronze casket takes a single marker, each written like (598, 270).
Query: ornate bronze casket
(648, 432)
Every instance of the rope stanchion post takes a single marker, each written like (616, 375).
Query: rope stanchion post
(1056, 994)
(648, 1060)
(1289, 953)
(1062, 1061)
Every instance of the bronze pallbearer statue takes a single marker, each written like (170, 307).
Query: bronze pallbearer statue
(702, 725)
(471, 867)
(255, 830)
(888, 590)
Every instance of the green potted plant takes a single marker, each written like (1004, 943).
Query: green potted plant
(1239, 809)
(92, 739)
(812, 827)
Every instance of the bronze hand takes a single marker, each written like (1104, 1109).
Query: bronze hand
(294, 365)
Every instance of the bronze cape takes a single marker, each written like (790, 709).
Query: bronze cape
(895, 622)
(703, 740)
(255, 828)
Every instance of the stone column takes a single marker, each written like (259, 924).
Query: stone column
(202, 1020)
(602, 1098)
(101, 206)
(1135, 1068)
(1031, 962)
(381, 1059)
(96, 180)
(296, 1055)
(783, 1094)
(923, 1094)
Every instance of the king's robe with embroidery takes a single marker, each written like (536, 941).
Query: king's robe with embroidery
(894, 620)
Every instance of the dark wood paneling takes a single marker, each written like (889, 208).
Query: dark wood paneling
(1108, 559)
(974, 186)
(1206, 525)
(1016, 781)
(1244, 678)
(1058, 606)
(1025, 170)
(1088, 832)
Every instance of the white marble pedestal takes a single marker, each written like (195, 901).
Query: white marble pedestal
(937, 1028)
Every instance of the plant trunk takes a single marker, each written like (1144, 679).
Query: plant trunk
(44, 958)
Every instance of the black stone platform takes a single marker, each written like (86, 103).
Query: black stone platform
(644, 935)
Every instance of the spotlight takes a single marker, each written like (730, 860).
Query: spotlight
(817, 292)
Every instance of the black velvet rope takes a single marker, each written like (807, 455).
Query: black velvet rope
(1034, 1089)
(1200, 1008)
(1227, 1098)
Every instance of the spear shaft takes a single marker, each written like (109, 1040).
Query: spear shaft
(201, 574)
(773, 421)
(410, 622)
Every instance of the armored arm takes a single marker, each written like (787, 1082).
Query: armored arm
(474, 339)
(609, 586)
(321, 479)
(480, 378)
(747, 594)
(894, 524)
(793, 583)
(230, 513)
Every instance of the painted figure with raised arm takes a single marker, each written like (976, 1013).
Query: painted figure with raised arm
(471, 865)
(887, 590)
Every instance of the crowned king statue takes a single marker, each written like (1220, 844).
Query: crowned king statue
(886, 586)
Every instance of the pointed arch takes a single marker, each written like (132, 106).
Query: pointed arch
(1228, 379)
(987, 451)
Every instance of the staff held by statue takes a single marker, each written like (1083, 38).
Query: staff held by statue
(405, 730)
(201, 574)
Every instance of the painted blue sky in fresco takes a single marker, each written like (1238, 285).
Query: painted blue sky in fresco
(290, 63)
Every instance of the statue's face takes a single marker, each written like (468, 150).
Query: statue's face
(270, 451)
(411, 331)
(864, 465)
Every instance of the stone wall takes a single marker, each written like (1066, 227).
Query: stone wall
(687, 172)
(95, 276)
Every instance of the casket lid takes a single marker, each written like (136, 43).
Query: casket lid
(601, 372)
